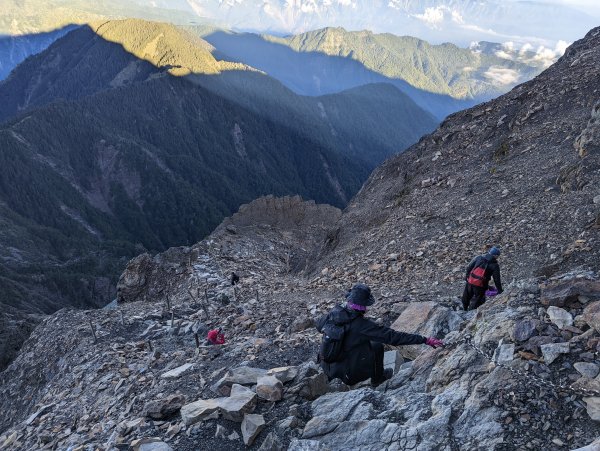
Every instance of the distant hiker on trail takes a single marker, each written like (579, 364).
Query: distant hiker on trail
(215, 337)
(479, 273)
(352, 345)
(234, 279)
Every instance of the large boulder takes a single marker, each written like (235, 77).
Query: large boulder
(562, 293)
(428, 319)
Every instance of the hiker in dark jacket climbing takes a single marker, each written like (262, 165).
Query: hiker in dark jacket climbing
(361, 354)
(479, 272)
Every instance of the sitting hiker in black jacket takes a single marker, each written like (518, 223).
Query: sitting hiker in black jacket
(479, 272)
(360, 353)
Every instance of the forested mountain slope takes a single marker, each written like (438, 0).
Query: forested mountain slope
(441, 79)
(368, 123)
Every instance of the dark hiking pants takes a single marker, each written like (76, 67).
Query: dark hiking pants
(473, 297)
(378, 352)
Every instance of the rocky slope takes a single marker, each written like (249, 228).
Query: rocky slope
(140, 376)
(520, 171)
(522, 372)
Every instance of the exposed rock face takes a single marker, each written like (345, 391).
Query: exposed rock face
(14, 330)
(561, 293)
(288, 229)
(427, 319)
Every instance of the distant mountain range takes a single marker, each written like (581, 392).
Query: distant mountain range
(130, 135)
(536, 23)
(441, 78)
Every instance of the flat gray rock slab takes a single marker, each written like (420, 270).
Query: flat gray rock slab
(241, 401)
(177, 372)
(587, 369)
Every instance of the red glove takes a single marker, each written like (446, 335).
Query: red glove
(216, 337)
(434, 342)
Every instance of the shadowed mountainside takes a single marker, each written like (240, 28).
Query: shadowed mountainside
(15, 49)
(369, 123)
(441, 79)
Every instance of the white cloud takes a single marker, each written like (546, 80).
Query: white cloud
(545, 55)
(503, 54)
(456, 17)
(561, 47)
(527, 47)
(501, 76)
(432, 16)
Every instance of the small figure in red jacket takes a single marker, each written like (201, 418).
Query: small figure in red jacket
(215, 337)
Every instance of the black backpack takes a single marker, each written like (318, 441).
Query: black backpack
(332, 342)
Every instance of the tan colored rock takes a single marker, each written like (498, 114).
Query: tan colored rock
(591, 315)
(427, 319)
(284, 373)
(414, 317)
(269, 388)
(199, 410)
